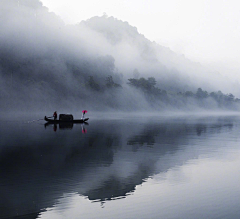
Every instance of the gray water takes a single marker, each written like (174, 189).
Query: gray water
(121, 166)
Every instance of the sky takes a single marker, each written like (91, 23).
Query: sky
(206, 31)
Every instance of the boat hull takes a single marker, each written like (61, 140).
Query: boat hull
(65, 121)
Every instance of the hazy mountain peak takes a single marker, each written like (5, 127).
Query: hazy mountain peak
(38, 53)
(113, 29)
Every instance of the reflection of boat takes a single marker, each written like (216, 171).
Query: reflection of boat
(69, 163)
(65, 121)
(62, 125)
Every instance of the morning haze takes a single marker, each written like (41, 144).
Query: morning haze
(100, 63)
(161, 135)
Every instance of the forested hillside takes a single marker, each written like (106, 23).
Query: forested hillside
(101, 63)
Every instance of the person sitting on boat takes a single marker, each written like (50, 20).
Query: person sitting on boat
(55, 115)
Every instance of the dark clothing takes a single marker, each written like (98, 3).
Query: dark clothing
(55, 115)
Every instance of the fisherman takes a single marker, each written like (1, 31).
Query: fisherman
(55, 115)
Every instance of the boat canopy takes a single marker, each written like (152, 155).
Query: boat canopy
(65, 117)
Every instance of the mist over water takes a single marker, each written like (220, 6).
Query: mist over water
(122, 165)
(162, 139)
(47, 65)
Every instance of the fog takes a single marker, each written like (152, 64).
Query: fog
(48, 65)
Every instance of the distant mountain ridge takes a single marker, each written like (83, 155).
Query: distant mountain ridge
(45, 63)
(159, 60)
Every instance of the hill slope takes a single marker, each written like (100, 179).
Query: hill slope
(45, 64)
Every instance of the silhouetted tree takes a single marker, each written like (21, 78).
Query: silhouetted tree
(110, 83)
(143, 84)
(201, 94)
(189, 94)
(152, 81)
(230, 97)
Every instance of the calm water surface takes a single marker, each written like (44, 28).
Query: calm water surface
(121, 166)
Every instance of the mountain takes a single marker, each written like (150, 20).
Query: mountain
(45, 64)
(132, 50)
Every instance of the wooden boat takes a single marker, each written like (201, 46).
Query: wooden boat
(65, 121)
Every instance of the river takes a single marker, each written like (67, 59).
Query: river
(121, 166)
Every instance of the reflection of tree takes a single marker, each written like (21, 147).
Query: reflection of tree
(148, 135)
(200, 128)
(41, 171)
(141, 140)
(46, 168)
(147, 138)
(215, 127)
(110, 189)
(98, 150)
(115, 188)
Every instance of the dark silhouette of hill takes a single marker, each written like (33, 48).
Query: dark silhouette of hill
(45, 64)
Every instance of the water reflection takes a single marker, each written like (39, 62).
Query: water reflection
(65, 125)
(38, 165)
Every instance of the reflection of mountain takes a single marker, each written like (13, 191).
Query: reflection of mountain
(38, 166)
(114, 187)
(37, 174)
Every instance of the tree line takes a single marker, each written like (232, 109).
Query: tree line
(148, 87)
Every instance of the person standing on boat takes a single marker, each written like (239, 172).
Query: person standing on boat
(55, 115)
(83, 113)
